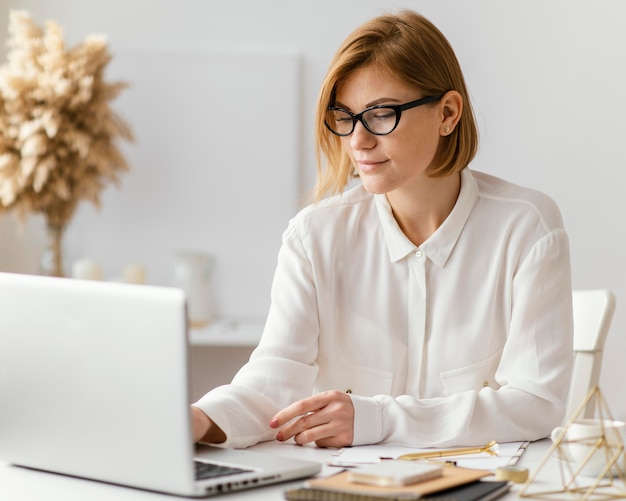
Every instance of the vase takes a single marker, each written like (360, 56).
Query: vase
(192, 273)
(52, 259)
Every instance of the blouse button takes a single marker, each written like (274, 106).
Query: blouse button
(348, 390)
(485, 384)
(419, 253)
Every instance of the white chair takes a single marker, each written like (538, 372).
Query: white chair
(593, 313)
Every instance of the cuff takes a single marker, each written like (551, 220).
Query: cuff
(367, 420)
(215, 411)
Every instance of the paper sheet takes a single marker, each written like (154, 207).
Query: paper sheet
(508, 454)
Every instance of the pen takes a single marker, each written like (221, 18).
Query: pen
(491, 448)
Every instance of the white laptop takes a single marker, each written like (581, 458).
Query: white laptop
(94, 383)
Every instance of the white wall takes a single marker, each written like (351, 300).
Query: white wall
(546, 77)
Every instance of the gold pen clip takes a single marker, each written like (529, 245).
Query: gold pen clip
(491, 448)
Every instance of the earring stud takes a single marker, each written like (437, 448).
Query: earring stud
(446, 129)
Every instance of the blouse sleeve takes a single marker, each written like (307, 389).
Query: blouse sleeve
(282, 368)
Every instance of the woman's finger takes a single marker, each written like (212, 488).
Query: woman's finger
(299, 408)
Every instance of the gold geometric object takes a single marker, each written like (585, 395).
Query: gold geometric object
(609, 440)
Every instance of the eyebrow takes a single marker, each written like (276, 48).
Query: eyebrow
(376, 102)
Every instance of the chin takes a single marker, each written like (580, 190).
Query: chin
(375, 188)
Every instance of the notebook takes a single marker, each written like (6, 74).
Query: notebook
(94, 383)
(340, 486)
(474, 491)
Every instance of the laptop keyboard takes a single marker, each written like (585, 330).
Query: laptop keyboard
(211, 470)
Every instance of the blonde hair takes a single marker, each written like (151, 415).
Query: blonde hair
(410, 48)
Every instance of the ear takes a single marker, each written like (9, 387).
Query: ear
(451, 107)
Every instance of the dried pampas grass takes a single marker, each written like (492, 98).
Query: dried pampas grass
(57, 131)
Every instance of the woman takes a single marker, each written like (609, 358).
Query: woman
(430, 305)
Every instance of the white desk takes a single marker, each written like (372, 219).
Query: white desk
(19, 484)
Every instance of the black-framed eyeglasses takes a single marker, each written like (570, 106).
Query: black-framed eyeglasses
(380, 120)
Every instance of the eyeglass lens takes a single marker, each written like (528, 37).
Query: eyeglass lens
(380, 120)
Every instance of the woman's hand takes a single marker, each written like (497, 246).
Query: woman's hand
(204, 429)
(326, 419)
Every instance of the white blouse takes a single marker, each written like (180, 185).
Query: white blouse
(462, 340)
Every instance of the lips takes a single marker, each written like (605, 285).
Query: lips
(367, 166)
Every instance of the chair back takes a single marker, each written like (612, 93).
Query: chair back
(593, 313)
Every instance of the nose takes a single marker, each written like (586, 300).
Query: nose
(361, 138)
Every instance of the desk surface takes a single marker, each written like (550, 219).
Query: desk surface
(20, 484)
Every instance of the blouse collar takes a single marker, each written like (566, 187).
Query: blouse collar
(440, 244)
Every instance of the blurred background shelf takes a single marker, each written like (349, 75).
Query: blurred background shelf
(244, 333)
(219, 350)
